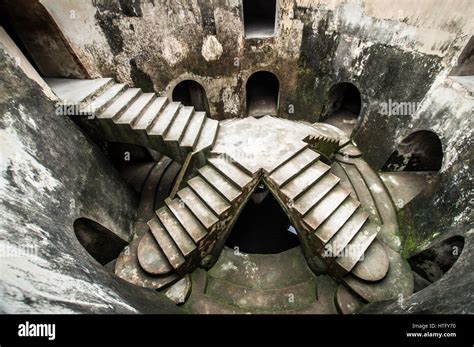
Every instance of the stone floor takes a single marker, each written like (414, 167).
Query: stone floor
(343, 120)
(261, 283)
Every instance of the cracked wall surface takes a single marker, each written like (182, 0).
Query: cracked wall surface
(51, 174)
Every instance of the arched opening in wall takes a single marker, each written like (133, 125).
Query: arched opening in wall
(150, 173)
(191, 93)
(259, 18)
(133, 162)
(263, 91)
(419, 151)
(101, 243)
(263, 227)
(431, 264)
(123, 154)
(40, 39)
(343, 106)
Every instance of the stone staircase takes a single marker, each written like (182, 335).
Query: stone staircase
(191, 229)
(335, 226)
(185, 233)
(123, 114)
(368, 188)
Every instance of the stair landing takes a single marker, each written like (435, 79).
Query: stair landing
(268, 141)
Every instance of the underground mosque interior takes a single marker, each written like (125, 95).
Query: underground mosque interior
(254, 156)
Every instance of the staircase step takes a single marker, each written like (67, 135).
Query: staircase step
(293, 166)
(187, 219)
(146, 206)
(358, 246)
(305, 179)
(165, 119)
(177, 129)
(382, 199)
(330, 227)
(231, 171)
(180, 237)
(150, 114)
(210, 197)
(104, 100)
(313, 195)
(337, 170)
(77, 90)
(346, 301)
(318, 214)
(193, 130)
(166, 184)
(136, 109)
(120, 104)
(362, 190)
(129, 268)
(208, 135)
(345, 234)
(374, 264)
(198, 208)
(166, 243)
(151, 257)
(219, 182)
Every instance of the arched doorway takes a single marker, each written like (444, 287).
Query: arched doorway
(262, 94)
(432, 263)
(191, 93)
(263, 227)
(38, 36)
(419, 151)
(343, 106)
(101, 243)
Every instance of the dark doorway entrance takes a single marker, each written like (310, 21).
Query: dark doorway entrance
(419, 151)
(101, 243)
(191, 93)
(38, 36)
(259, 18)
(262, 227)
(262, 94)
(343, 106)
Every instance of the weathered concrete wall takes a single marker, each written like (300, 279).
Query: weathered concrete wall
(50, 176)
(446, 110)
(452, 294)
(389, 50)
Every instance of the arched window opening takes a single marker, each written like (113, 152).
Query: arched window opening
(38, 36)
(262, 94)
(259, 18)
(343, 106)
(432, 263)
(263, 227)
(101, 243)
(123, 155)
(191, 93)
(419, 151)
